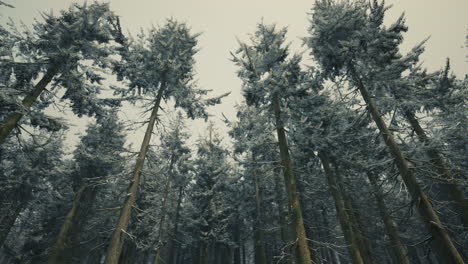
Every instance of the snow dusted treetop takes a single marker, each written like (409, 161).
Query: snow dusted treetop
(350, 35)
(344, 32)
(78, 45)
(264, 66)
(164, 59)
(68, 51)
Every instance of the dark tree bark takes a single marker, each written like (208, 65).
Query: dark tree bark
(259, 236)
(282, 218)
(172, 245)
(162, 220)
(204, 252)
(237, 238)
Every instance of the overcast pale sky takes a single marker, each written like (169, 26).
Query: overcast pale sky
(221, 21)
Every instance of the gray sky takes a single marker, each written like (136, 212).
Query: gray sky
(221, 21)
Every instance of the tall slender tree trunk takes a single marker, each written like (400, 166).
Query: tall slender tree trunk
(355, 220)
(330, 252)
(237, 239)
(118, 236)
(390, 227)
(302, 248)
(204, 253)
(320, 235)
(259, 236)
(443, 245)
(172, 244)
(438, 163)
(413, 254)
(358, 230)
(162, 220)
(228, 255)
(244, 254)
(345, 221)
(129, 256)
(282, 218)
(12, 120)
(68, 240)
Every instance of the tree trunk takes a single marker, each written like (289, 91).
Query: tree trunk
(455, 190)
(129, 255)
(229, 255)
(172, 244)
(12, 119)
(68, 241)
(244, 255)
(355, 220)
(330, 253)
(413, 254)
(358, 231)
(302, 249)
(8, 219)
(118, 235)
(259, 236)
(162, 220)
(444, 245)
(345, 222)
(237, 239)
(283, 221)
(395, 243)
(204, 253)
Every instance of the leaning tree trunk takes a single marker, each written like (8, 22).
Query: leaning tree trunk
(302, 248)
(12, 119)
(455, 190)
(259, 236)
(118, 236)
(12, 204)
(358, 229)
(68, 239)
(345, 222)
(444, 246)
(390, 227)
(355, 220)
(330, 251)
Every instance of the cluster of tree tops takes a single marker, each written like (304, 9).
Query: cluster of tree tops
(361, 158)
